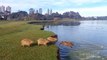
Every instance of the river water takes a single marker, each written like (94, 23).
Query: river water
(89, 38)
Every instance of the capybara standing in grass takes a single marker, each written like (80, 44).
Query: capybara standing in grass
(26, 42)
(42, 41)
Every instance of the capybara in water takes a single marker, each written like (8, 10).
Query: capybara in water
(26, 42)
(42, 41)
(66, 43)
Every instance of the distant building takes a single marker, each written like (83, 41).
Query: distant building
(31, 11)
(2, 8)
(36, 11)
(8, 9)
(49, 12)
(40, 10)
(4, 12)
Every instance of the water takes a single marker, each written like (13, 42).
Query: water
(89, 38)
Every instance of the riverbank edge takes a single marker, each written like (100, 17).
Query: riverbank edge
(58, 54)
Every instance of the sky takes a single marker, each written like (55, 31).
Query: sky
(86, 8)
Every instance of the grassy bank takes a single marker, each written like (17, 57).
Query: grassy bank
(11, 33)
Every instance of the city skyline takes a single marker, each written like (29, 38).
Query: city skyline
(84, 7)
(4, 9)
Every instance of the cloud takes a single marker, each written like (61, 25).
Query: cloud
(86, 1)
(47, 3)
(93, 11)
(76, 2)
(22, 5)
(59, 5)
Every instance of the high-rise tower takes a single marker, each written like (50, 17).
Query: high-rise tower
(36, 11)
(2, 8)
(31, 11)
(50, 11)
(40, 10)
(8, 9)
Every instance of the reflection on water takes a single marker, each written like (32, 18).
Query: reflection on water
(90, 39)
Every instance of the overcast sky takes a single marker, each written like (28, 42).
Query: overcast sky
(84, 7)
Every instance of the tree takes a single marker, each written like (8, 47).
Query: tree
(53, 15)
(39, 16)
(71, 14)
(20, 15)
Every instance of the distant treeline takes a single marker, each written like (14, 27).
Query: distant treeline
(23, 15)
(95, 18)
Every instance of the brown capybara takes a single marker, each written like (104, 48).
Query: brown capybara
(67, 43)
(26, 42)
(42, 41)
(51, 39)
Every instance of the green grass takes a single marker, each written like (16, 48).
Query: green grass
(11, 33)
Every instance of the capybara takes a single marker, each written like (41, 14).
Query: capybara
(51, 39)
(26, 42)
(42, 41)
(67, 43)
